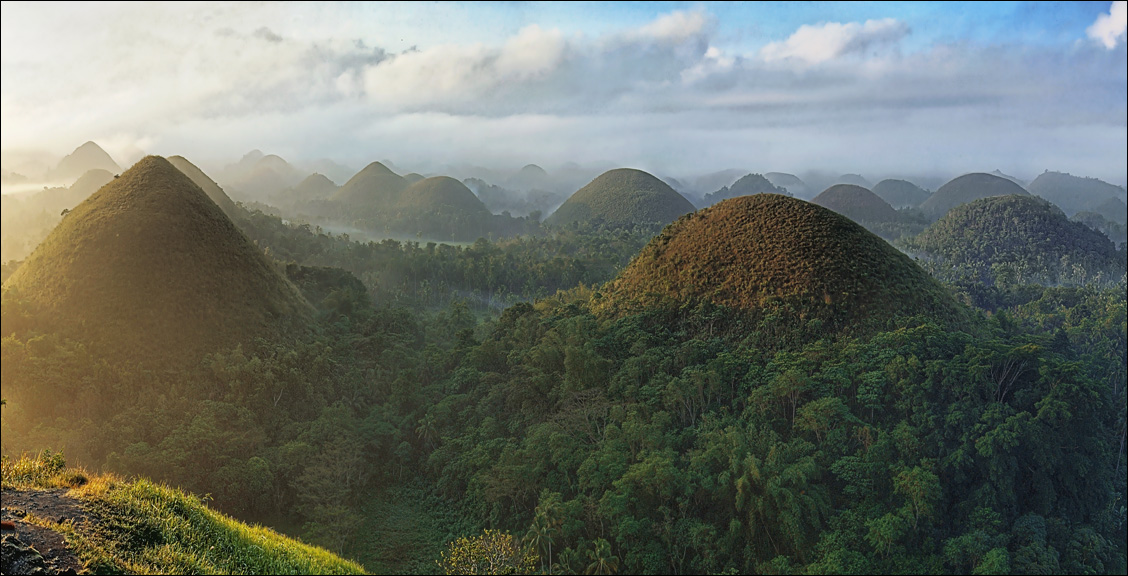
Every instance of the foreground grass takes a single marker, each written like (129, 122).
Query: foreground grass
(140, 527)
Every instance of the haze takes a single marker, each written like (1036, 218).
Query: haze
(677, 89)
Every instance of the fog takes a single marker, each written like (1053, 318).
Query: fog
(677, 90)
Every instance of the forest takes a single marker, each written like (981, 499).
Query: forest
(457, 400)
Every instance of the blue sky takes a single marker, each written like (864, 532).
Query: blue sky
(678, 88)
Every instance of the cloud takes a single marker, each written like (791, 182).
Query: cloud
(823, 42)
(1110, 28)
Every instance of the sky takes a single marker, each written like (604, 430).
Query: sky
(675, 88)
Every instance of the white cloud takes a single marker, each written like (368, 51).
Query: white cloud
(1110, 28)
(823, 42)
(676, 26)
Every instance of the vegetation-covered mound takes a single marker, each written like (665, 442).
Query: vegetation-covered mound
(89, 156)
(622, 197)
(441, 195)
(1073, 193)
(315, 187)
(1019, 239)
(372, 189)
(900, 193)
(968, 188)
(764, 251)
(206, 184)
(118, 526)
(856, 203)
(746, 186)
(150, 269)
(791, 183)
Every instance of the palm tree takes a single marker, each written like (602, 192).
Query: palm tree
(602, 561)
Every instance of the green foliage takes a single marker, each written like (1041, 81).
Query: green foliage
(491, 552)
(745, 186)
(1012, 240)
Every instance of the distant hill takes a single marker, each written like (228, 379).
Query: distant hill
(413, 177)
(901, 193)
(1019, 238)
(968, 188)
(622, 197)
(791, 183)
(372, 189)
(747, 185)
(258, 177)
(530, 177)
(441, 194)
(206, 184)
(767, 251)
(86, 185)
(855, 179)
(150, 269)
(1075, 194)
(315, 186)
(856, 203)
(716, 180)
(87, 157)
(1001, 174)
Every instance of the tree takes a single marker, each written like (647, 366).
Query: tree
(602, 561)
(491, 552)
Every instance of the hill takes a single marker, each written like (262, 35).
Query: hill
(206, 184)
(150, 269)
(412, 178)
(315, 187)
(1019, 239)
(89, 156)
(372, 189)
(1075, 194)
(967, 188)
(123, 526)
(854, 179)
(856, 203)
(791, 183)
(900, 193)
(622, 197)
(746, 186)
(441, 195)
(529, 177)
(767, 251)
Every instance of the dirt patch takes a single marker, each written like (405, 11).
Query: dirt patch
(32, 549)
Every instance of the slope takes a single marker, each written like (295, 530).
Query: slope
(856, 203)
(206, 184)
(150, 269)
(967, 188)
(622, 197)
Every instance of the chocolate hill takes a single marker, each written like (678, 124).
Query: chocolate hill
(206, 184)
(900, 193)
(856, 203)
(373, 189)
(149, 269)
(622, 197)
(772, 252)
(968, 188)
(89, 156)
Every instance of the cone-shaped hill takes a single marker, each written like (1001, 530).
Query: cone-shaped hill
(772, 252)
(412, 178)
(441, 195)
(900, 193)
(1073, 193)
(316, 186)
(372, 189)
(1028, 235)
(747, 185)
(86, 185)
(856, 203)
(149, 269)
(89, 156)
(206, 184)
(791, 183)
(968, 188)
(622, 197)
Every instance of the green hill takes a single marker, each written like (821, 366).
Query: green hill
(746, 186)
(622, 197)
(372, 189)
(441, 195)
(900, 193)
(412, 178)
(968, 188)
(1075, 194)
(315, 187)
(856, 203)
(206, 184)
(1019, 239)
(150, 269)
(118, 526)
(757, 252)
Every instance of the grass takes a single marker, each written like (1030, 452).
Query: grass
(140, 527)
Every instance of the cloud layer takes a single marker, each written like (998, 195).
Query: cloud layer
(670, 95)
